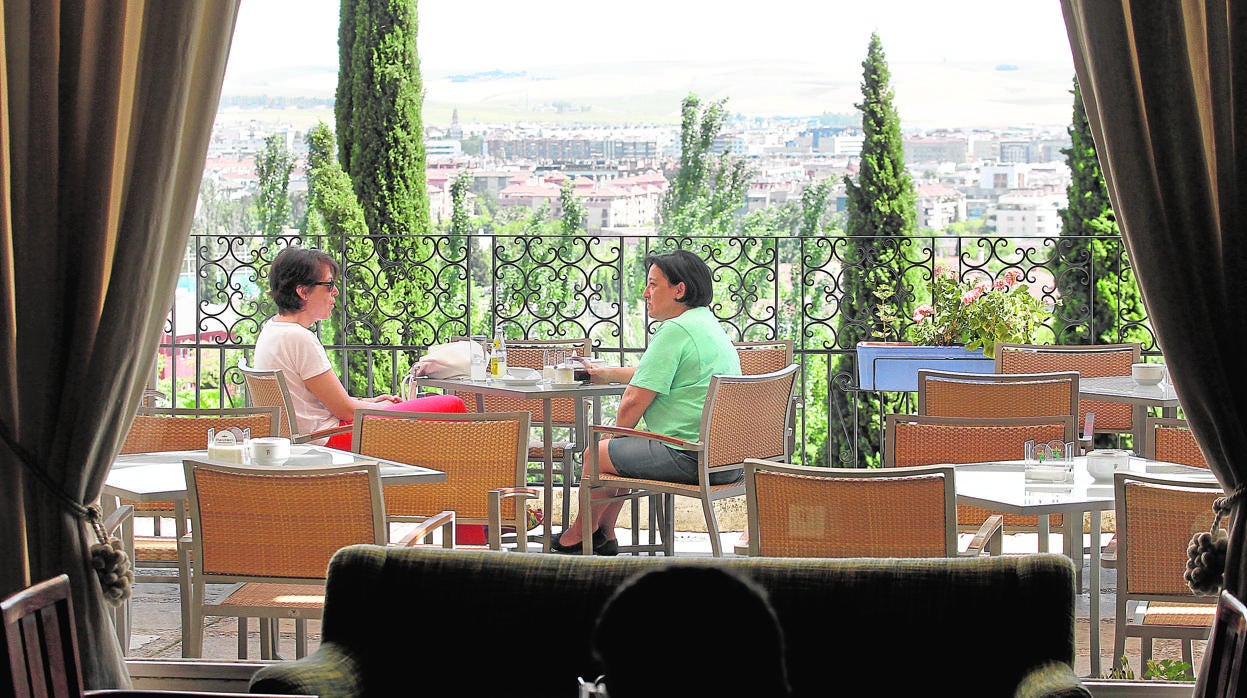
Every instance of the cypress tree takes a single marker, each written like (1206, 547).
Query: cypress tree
(881, 208)
(1098, 305)
(273, 165)
(380, 129)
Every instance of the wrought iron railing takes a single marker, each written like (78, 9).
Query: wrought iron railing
(400, 295)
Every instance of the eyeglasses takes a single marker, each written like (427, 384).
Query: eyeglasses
(326, 284)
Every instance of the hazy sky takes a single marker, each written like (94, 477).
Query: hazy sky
(831, 36)
(458, 35)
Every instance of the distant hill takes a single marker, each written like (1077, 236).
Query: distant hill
(926, 95)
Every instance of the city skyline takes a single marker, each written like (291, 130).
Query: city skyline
(957, 63)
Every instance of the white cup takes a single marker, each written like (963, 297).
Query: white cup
(270, 450)
(1147, 374)
(1102, 463)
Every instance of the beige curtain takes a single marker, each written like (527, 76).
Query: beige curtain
(1165, 86)
(108, 108)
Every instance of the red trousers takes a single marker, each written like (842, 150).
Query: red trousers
(428, 403)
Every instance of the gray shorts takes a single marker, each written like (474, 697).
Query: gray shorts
(651, 460)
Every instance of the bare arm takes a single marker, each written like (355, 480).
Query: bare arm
(332, 395)
(632, 405)
(617, 374)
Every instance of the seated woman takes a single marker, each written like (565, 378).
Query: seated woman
(303, 283)
(667, 387)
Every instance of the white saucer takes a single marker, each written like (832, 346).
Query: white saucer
(512, 380)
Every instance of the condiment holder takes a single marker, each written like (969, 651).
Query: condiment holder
(270, 450)
(1052, 461)
(228, 445)
(1147, 374)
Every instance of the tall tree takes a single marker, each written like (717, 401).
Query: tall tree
(1099, 304)
(273, 165)
(708, 190)
(880, 209)
(380, 128)
(574, 214)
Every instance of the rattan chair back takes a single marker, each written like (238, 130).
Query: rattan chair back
(763, 357)
(1172, 440)
(799, 511)
(923, 440)
(1156, 517)
(949, 394)
(747, 417)
(280, 523)
(478, 453)
(529, 353)
(1091, 361)
(267, 388)
(157, 429)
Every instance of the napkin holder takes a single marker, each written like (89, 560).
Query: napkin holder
(228, 445)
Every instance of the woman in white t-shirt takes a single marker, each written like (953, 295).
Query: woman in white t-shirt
(303, 283)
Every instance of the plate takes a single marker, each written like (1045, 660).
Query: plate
(512, 380)
(573, 384)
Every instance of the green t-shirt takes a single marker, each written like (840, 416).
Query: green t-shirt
(682, 356)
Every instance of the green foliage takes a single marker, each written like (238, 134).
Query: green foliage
(329, 191)
(974, 313)
(380, 129)
(273, 165)
(574, 215)
(1090, 271)
(708, 190)
(1168, 670)
(460, 216)
(881, 207)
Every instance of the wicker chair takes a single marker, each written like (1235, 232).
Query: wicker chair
(1094, 361)
(1172, 440)
(1156, 517)
(271, 531)
(744, 417)
(267, 387)
(798, 511)
(483, 456)
(156, 429)
(528, 353)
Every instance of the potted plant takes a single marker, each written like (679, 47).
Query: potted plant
(956, 331)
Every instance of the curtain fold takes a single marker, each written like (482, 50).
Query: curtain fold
(1165, 86)
(108, 111)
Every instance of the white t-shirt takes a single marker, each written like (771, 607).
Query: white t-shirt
(300, 356)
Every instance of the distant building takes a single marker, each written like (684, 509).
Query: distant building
(919, 150)
(1030, 212)
(939, 205)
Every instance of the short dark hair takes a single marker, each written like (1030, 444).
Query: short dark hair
(294, 267)
(684, 266)
(623, 641)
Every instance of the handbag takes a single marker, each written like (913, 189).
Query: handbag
(449, 360)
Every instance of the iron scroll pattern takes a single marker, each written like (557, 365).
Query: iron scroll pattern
(430, 288)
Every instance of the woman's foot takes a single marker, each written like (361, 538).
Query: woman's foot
(556, 545)
(602, 545)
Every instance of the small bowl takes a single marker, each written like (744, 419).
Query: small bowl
(1101, 464)
(1147, 374)
(270, 450)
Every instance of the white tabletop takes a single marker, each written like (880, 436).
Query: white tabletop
(153, 477)
(1124, 389)
(1005, 487)
(536, 390)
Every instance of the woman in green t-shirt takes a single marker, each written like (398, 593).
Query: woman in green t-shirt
(666, 389)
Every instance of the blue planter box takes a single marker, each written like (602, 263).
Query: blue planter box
(895, 366)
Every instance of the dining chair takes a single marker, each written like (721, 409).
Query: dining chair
(484, 456)
(267, 388)
(924, 440)
(743, 417)
(802, 511)
(270, 532)
(1091, 361)
(1156, 517)
(529, 353)
(40, 644)
(1222, 675)
(1172, 440)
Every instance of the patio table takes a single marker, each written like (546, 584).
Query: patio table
(546, 393)
(1123, 389)
(1004, 487)
(160, 477)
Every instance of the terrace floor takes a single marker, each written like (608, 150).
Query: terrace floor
(156, 619)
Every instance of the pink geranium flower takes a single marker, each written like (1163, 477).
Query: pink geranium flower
(922, 312)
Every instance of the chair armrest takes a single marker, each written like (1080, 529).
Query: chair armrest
(119, 516)
(625, 431)
(444, 521)
(989, 537)
(1054, 679)
(332, 670)
(495, 496)
(322, 433)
